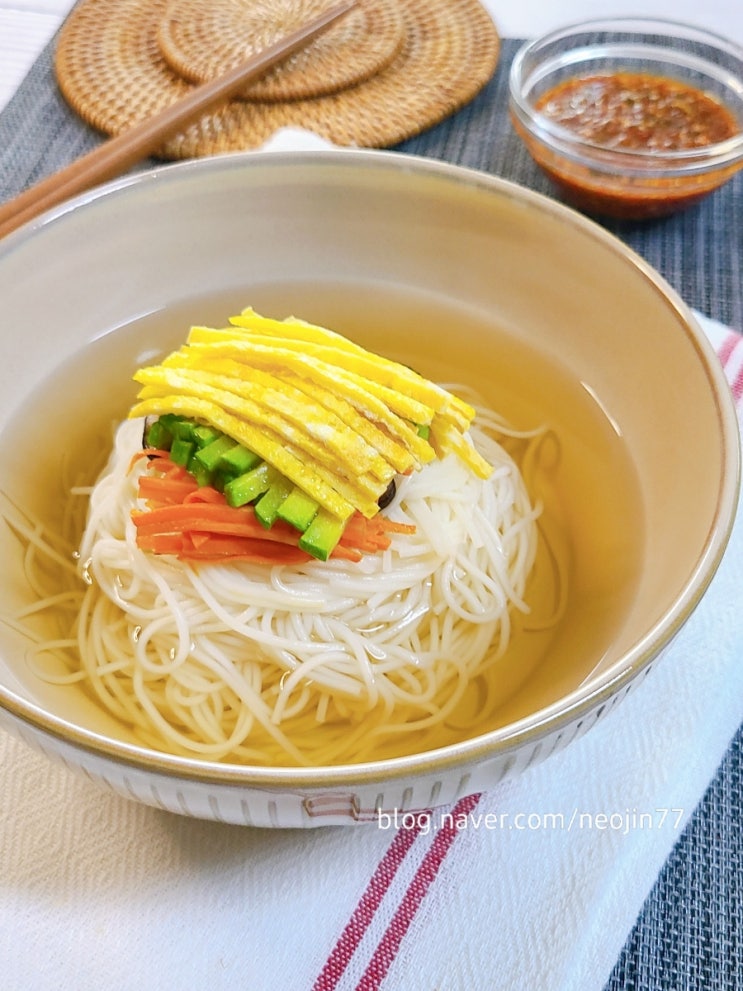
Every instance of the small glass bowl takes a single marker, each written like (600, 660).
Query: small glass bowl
(631, 183)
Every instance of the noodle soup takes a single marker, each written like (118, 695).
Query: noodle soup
(590, 528)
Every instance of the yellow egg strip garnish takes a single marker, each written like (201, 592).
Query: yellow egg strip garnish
(453, 442)
(306, 425)
(386, 371)
(395, 452)
(389, 452)
(337, 420)
(264, 352)
(268, 446)
(330, 377)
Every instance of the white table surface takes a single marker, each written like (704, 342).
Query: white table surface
(27, 25)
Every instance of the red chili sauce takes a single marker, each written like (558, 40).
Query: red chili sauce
(637, 111)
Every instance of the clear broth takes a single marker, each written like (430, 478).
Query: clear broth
(592, 503)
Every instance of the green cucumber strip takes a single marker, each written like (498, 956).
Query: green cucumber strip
(247, 487)
(211, 455)
(221, 478)
(159, 436)
(169, 420)
(322, 535)
(181, 451)
(298, 509)
(239, 459)
(200, 472)
(267, 507)
(184, 429)
(204, 434)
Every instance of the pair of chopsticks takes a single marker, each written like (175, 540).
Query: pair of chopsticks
(118, 154)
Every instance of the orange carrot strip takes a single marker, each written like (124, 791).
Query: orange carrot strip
(214, 547)
(346, 553)
(148, 452)
(392, 526)
(219, 547)
(276, 535)
(372, 534)
(206, 519)
(161, 543)
(203, 546)
(165, 490)
(205, 493)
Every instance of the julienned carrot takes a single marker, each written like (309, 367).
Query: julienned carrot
(372, 534)
(207, 517)
(218, 547)
(205, 493)
(151, 453)
(166, 490)
(198, 546)
(195, 523)
(207, 530)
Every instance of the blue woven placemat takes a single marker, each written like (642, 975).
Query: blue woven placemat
(688, 935)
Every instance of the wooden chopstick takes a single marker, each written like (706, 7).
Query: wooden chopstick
(119, 153)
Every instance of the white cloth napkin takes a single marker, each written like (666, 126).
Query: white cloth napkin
(535, 885)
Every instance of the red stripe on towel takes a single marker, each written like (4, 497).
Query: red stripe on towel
(737, 385)
(728, 346)
(729, 352)
(363, 914)
(361, 919)
(389, 944)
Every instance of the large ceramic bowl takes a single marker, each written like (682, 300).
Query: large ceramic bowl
(472, 278)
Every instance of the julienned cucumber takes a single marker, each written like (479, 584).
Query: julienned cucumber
(322, 534)
(247, 487)
(267, 507)
(298, 509)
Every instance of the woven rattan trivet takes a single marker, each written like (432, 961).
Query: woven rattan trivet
(201, 40)
(112, 71)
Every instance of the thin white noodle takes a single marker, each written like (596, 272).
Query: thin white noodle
(312, 663)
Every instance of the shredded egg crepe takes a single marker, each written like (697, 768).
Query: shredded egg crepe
(335, 419)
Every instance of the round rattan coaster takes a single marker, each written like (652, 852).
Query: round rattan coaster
(201, 40)
(112, 71)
